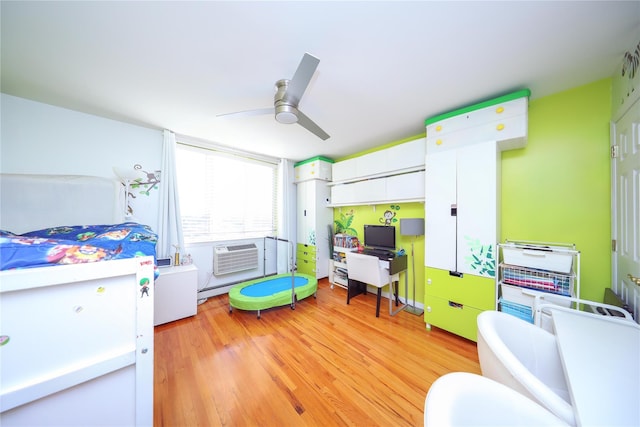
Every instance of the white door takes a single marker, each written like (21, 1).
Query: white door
(440, 200)
(477, 208)
(306, 213)
(625, 205)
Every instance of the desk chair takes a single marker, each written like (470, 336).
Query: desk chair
(366, 269)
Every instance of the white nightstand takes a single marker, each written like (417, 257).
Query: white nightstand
(176, 293)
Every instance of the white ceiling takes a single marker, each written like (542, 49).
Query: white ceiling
(384, 66)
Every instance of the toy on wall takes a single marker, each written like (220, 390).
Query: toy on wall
(343, 225)
(630, 65)
(151, 183)
(131, 179)
(389, 217)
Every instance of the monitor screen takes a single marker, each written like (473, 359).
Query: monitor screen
(380, 236)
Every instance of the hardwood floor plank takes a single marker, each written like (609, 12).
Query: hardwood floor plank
(324, 363)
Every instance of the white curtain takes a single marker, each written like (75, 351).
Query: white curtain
(287, 207)
(169, 220)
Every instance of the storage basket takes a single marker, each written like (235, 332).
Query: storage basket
(553, 258)
(518, 310)
(516, 294)
(540, 280)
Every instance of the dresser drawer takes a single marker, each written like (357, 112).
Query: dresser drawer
(457, 318)
(469, 290)
(305, 266)
(306, 252)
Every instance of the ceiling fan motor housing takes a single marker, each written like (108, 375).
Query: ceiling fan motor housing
(286, 111)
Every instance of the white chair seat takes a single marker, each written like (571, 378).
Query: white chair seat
(524, 357)
(366, 269)
(464, 399)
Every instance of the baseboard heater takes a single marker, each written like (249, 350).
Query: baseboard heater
(233, 258)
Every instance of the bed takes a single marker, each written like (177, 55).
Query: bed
(76, 304)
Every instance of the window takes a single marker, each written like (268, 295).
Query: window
(224, 196)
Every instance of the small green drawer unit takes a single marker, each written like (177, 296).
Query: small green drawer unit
(306, 259)
(454, 303)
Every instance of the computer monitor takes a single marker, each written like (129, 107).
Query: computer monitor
(380, 237)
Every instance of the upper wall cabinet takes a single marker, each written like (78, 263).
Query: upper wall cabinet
(315, 168)
(385, 162)
(395, 174)
(502, 119)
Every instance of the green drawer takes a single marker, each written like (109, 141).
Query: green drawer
(307, 252)
(475, 291)
(453, 317)
(306, 267)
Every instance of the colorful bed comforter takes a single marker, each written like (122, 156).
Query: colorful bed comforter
(75, 245)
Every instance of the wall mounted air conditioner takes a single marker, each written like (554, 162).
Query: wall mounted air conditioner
(233, 258)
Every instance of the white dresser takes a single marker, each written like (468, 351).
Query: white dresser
(176, 294)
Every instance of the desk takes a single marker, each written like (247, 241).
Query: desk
(394, 266)
(600, 356)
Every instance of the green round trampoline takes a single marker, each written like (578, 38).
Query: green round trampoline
(273, 291)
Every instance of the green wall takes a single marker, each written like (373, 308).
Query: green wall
(557, 188)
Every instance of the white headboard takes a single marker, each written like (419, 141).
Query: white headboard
(33, 202)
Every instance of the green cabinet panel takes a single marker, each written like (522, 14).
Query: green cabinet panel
(456, 318)
(454, 303)
(306, 259)
(470, 290)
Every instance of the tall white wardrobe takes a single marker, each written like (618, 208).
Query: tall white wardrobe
(462, 207)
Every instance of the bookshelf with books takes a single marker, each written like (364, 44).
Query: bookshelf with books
(342, 243)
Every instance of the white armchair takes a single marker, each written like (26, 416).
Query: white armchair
(524, 357)
(465, 399)
(366, 269)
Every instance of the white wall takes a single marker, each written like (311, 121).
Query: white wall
(44, 139)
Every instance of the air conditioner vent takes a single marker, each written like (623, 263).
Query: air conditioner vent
(234, 258)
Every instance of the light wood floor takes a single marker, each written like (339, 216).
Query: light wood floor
(325, 363)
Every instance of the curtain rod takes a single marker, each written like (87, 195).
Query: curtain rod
(202, 143)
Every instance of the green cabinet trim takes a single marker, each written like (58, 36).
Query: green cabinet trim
(313, 159)
(509, 97)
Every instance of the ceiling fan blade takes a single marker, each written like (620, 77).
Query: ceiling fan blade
(309, 125)
(301, 78)
(247, 113)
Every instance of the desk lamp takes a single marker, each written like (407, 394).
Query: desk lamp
(412, 227)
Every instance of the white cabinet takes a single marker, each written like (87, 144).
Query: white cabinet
(389, 161)
(314, 220)
(462, 187)
(407, 187)
(176, 294)
(462, 182)
(502, 119)
(395, 174)
(314, 168)
(461, 210)
(344, 170)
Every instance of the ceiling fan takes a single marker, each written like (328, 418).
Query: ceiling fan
(287, 98)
